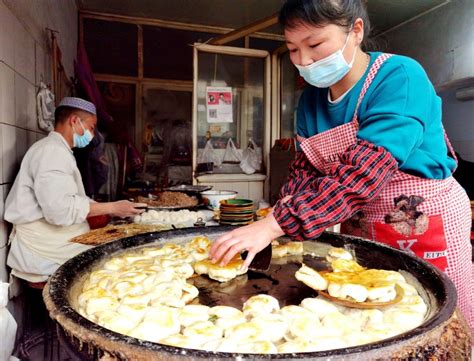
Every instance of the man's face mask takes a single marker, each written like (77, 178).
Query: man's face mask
(81, 141)
(327, 71)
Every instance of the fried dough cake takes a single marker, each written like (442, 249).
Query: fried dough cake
(220, 273)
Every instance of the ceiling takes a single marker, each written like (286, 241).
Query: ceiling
(384, 14)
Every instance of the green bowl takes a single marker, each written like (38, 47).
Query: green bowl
(237, 202)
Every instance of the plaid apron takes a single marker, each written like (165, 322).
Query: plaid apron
(440, 234)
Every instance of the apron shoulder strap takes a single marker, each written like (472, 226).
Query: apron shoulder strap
(450, 148)
(368, 80)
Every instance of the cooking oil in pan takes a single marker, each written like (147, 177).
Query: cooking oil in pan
(279, 281)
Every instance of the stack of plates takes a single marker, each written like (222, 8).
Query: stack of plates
(236, 212)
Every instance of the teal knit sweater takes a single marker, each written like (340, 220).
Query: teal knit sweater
(400, 112)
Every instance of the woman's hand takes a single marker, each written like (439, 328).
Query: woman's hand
(252, 238)
(126, 208)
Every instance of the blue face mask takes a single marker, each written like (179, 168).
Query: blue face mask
(328, 71)
(81, 141)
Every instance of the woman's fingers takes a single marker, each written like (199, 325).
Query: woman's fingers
(252, 238)
(231, 251)
(250, 256)
(223, 249)
(216, 244)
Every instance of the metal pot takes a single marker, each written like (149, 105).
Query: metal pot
(443, 334)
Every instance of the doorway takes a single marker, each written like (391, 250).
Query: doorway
(167, 134)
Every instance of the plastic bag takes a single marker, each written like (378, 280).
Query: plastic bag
(7, 325)
(251, 158)
(232, 154)
(45, 108)
(209, 155)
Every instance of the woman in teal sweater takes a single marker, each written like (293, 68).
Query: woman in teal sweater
(400, 112)
(373, 151)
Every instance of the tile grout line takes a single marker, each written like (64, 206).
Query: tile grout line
(21, 75)
(27, 129)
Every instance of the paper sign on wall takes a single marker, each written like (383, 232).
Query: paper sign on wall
(219, 104)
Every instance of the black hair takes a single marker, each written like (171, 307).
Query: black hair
(322, 12)
(62, 113)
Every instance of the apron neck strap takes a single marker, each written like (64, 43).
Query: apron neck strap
(368, 80)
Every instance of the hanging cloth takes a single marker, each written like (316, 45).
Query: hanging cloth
(45, 108)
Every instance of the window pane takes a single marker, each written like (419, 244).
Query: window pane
(111, 47)
(168, 54)
(245, 77)
(119, 101)
(265, 44)
(167, 135)
(292, 85)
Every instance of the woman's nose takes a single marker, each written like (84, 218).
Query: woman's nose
(305, 58)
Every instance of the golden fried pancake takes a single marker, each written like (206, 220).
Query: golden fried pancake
(116, 322)
(294, 248)
(220, 273)
(279, 251)
(311, 278)
(319, 306)
(260, 347)
(338, 253)
(274, 324)
(260, 305)
(193, 313)
(203, 331)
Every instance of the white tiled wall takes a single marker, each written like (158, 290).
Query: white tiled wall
(7, 85)
(7, 41)
(24, 53)
(9, 165)
(3, 239)
(24, 61)
(25, 103)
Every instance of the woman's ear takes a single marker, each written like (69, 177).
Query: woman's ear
(358, 29)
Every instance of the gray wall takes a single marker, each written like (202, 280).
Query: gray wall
(441, 40)
(24, 60)
(458, 119)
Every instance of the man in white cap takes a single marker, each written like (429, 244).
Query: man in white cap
(47, 204)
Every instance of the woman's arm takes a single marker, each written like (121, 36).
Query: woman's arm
(302, 175)
(328, 200)
(332, 199)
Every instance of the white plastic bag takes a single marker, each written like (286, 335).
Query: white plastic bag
(7, 325)
(45, 107)
(232, 154)
(251, 158)
(209, 155)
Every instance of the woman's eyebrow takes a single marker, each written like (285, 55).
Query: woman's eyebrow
(303, 40)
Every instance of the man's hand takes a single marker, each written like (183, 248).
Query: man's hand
(252, 238)
(126, 208)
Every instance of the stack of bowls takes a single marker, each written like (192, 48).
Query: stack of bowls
(236, 212)
(212, 198)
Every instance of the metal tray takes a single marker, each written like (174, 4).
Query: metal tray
(173, 208)
(188, 188)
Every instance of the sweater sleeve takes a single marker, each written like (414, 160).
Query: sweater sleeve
(324, 201)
